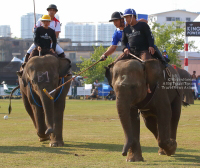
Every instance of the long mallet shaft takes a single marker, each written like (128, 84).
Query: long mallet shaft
(34, 13)
(49, 94)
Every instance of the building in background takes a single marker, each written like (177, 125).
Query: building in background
(84, 32)
(105, 31)
(171, 16)
(5, 31)
(27, 24)
(13, 47)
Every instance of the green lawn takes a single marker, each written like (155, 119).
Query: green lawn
(93, 137)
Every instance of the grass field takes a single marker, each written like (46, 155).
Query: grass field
(93, 137)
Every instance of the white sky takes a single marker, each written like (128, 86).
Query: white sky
(87, 10)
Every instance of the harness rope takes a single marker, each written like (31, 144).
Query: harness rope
(54, 99)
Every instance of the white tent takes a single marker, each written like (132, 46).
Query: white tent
(15, 59)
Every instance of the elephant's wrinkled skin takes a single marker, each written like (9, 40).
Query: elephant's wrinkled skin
(187, 90)
(44, 72)
(129, 78)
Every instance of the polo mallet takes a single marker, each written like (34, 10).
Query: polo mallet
(49, 94)
(34, 13)
(136, 57)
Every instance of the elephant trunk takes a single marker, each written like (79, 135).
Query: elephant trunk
(48, 106)
(125, 118)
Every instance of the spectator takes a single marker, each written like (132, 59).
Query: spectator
(96, 83)
(74, 85)
(111, 95)
(194, 85)
(194, 75)
(94, 93)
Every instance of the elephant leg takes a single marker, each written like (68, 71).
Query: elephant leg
(135, 152)
(59, 106)
(40, 123)
(57, 137)
(151, 124)
(124, 115)
(164, 115)
(28, 108)
(38, 117)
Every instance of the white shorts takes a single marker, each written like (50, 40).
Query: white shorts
(59, 50)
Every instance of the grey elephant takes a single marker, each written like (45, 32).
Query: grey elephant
(46, 114)
(160, 109)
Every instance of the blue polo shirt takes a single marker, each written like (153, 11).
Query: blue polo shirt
(117, 37)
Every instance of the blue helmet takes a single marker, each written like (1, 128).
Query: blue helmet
(129, 12)
(164, 51)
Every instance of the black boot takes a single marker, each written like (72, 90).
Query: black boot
(62, 55)
(160, 57)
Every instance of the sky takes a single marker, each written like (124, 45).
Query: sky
(87, 10)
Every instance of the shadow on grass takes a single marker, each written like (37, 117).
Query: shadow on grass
(25, 149)
(73, 147)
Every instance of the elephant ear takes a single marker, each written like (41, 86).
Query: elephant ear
(64, 66)
(153, 69)
(108, 75)
(25, 78)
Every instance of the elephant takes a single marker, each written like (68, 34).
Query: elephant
(160, 109)
(187, 90)
(47, 115)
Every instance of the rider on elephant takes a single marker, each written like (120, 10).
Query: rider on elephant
(118, 21)
(44, 36)
(55, 25)
(140, 38)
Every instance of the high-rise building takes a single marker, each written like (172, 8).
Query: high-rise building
(85, 33)
(105, 31)
(5, 31)
(27, 24)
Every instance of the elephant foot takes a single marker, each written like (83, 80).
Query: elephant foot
(126, 148)
(171, 147)
(161, 152)
(44, 139)
(56, 144)
(133, 157)
(49, 131)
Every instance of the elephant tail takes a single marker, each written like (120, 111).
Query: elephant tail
(185, 104)
(9, 107)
